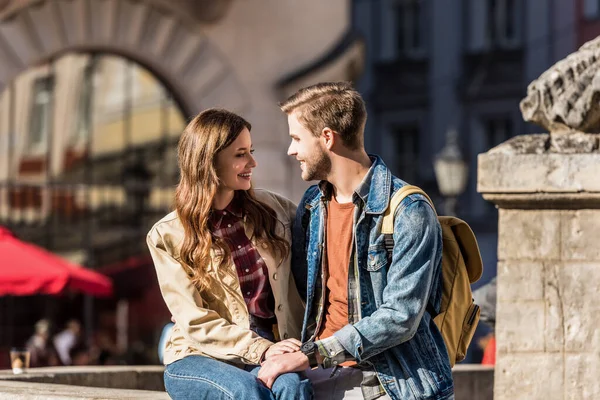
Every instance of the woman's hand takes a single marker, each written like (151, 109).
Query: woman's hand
(285, 346)
(281, 364)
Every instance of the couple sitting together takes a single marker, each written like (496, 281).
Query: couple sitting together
(277, 301)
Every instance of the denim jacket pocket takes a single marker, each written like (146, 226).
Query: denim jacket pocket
(377, 258)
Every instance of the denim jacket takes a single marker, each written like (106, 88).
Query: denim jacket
(394, 334)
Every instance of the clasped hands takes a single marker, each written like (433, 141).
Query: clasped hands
(281, 358)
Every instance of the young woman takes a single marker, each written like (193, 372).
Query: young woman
(223, 264)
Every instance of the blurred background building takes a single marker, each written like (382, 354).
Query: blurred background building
(95, 93)
(435, 67)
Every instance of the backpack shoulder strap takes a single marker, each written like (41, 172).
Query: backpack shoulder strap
(387, 226)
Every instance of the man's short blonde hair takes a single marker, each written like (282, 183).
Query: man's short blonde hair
(334, 105)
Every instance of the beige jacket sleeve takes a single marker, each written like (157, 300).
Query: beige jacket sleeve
(215, 336)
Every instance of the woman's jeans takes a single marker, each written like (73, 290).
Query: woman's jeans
(198, 377)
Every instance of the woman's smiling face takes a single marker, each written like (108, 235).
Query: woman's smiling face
(234, 163)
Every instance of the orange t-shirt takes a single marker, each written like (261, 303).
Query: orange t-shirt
(339, 246)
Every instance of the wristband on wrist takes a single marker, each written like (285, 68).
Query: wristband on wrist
(310, 350)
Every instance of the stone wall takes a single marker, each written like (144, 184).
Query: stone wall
(548, 191)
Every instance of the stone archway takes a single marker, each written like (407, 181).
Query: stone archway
(161, 39)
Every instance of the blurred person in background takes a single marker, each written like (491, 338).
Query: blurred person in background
(67, 339)
(485, 296)
(41, 349)
(223, 264)
(80, 355)
(104, 349)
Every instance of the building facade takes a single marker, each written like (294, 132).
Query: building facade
(94, 95)
(436, 66)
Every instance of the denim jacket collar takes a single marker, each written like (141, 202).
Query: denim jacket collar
(374, 190)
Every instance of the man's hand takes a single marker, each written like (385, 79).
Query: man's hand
(285, 346)
(281, 364)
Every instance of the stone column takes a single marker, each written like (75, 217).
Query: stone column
(547, 189)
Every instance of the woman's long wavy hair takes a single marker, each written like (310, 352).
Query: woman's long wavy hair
(205, 136)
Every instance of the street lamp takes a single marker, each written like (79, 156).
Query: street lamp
(451, 172)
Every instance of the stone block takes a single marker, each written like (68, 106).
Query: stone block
(522, 280)
(528, 235)
(499, 172)
(529, 376)
(579, 240)
(571, 320)
(554, 326)
(581, 375)
(520, 326)
(509, 173)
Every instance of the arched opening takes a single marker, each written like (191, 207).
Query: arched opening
(87, 165)
(75, 161)
(88, 155)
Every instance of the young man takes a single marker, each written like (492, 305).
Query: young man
(365, 312)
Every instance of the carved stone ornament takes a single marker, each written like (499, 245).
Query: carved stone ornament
(567, 96)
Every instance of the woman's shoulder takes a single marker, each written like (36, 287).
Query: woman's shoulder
(271, 197)
(283, 206)
(167, 230)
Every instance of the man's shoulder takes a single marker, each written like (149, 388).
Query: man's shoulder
(398, 184)
(311, 194)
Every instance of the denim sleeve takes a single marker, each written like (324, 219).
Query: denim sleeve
(416, 255)
(299, 240)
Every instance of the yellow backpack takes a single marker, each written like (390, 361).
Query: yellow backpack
(461, 266)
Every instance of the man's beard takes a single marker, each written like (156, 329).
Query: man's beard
(317, 167)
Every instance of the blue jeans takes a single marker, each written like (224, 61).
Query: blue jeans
(197, 377)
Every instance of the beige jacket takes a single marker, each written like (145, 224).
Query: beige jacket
(216, 323)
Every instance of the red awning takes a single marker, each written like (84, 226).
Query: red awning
(27, 270)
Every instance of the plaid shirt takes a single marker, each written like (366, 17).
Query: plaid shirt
(330, 348)
(251, 268)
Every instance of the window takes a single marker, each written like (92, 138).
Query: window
(495, 24)
(40, 112)
(498, 130)
(503, 20)
(591, 9)
(411, 28)
(406, 140)
(84, 111)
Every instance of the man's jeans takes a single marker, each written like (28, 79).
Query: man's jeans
(345, 384)
(197, 377)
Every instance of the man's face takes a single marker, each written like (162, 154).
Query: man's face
(309, 150)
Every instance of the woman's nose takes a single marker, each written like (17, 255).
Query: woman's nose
(252, 162)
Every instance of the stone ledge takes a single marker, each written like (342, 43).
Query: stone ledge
(565, 142)
(471, 381)
(41, 391)
(115, 377)
(545, 201)
(503, 170)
